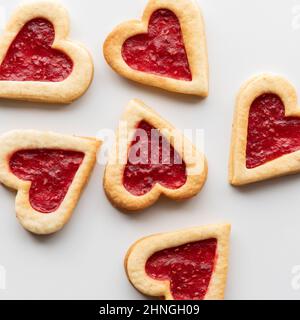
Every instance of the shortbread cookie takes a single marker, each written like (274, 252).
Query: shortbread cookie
(266, 131)
(183, 265)
(166, 49)
(151, 158)
(37, 61)
(49, 171)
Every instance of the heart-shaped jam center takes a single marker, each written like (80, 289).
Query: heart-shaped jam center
(151, 160)
(51, 173)
(31, 58)
(161, 51)
(270, 134)
(188, 268)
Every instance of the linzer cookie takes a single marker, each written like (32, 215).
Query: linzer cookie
(166, 49)
(49, 171)
(37, 60)
(189, 264)
(151, 158)
(266, 131)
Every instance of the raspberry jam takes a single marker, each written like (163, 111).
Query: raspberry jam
(31, 58)
(270, 134)
(152, 160)
(161, 51)
(51, 173)
(188, 268)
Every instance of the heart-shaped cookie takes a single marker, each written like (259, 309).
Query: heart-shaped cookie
(30, 57)
(167, 49)
(184, 265)
(49, 172)
(141, 176)
(151, 158)
(37, 61)
(266, 131)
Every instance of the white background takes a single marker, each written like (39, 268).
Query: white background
(85, 259)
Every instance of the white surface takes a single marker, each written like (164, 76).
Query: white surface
(85, 260)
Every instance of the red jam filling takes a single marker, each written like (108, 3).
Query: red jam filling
(188, 268)
(31, 58)
(51, 173)
(152, 160)
(161, 51)
(270, 134)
